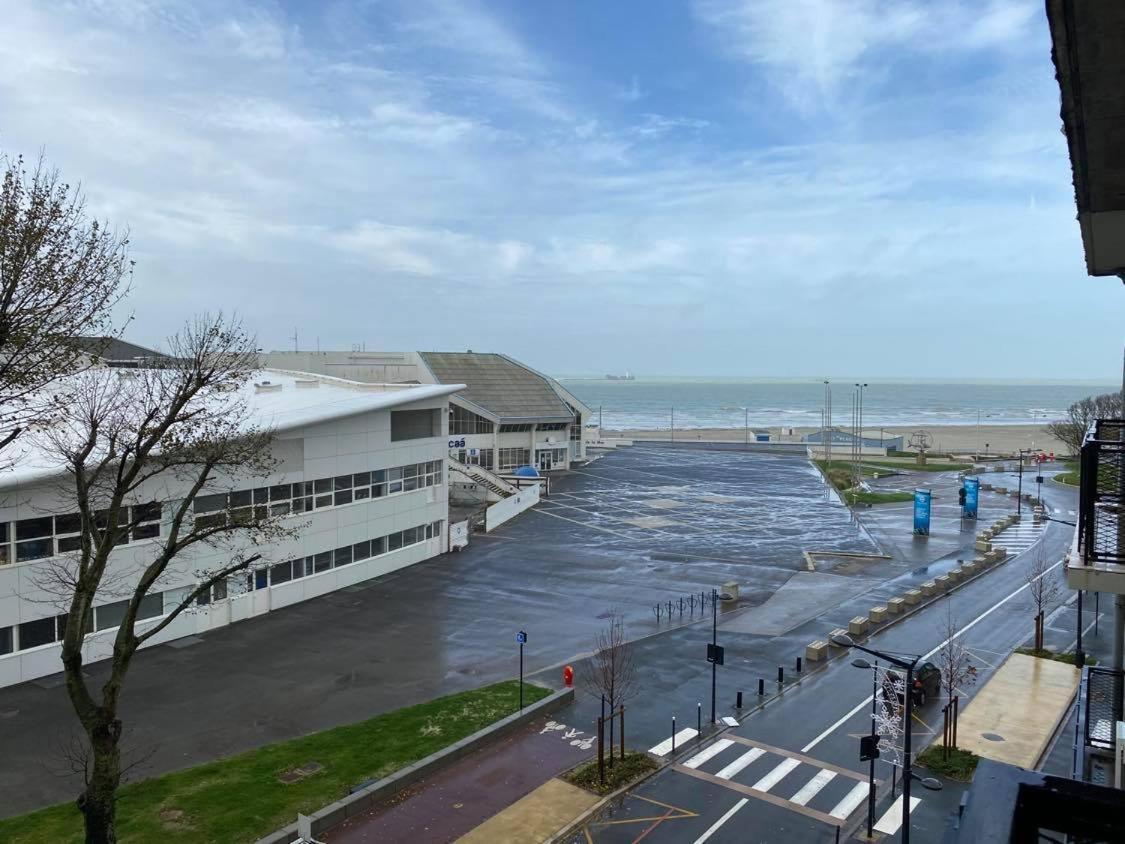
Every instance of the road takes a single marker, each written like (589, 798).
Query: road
(790, 770)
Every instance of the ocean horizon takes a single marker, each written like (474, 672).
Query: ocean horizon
(720, 402)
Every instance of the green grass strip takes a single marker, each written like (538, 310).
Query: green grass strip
(241, 798)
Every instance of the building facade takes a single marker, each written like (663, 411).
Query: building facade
(508, 416)
(360, 469)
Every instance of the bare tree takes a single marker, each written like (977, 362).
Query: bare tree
(954, 660)
(138, 447)
(60, 275)
(1043, 588)
(1072, 430)
(611, 670)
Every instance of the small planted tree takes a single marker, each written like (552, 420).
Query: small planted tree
(60, 275)
(955, 662)
(1043, 589)
(137, 449)
(1072, 430)
(611, 670)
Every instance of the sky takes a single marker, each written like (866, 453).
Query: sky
(695, 187)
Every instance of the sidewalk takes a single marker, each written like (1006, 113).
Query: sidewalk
(494, 781)
(1017, 713)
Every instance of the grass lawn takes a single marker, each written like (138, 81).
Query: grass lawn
(959, 765)
(876, 497)
(839, 474)
(240, 799)
(633, 767)
(912, 466)
(1070, 478)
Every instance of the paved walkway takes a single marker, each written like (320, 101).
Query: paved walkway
(535, 817)
(469, 792)
(1015, 716)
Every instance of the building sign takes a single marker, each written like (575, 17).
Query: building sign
(972, 497)
(457, 442)
(922, 512)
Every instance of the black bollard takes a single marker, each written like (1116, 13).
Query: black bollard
(761, 686)
(738, 701)
(798, 665)
(699, 721)
(780, 675)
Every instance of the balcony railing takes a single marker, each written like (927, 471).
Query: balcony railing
(1101, 505)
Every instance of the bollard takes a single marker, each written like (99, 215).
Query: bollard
(673, 733)
(761, 686)
(699, 722)
(681, 606)
(780, 675)
(738, 701)
(798, 665)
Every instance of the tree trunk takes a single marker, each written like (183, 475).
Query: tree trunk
(98, 803)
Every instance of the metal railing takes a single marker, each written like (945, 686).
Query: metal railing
(1101, 504)
(1103, 705)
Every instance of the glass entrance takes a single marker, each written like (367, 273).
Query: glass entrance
(543, 460)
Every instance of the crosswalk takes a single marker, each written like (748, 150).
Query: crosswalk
(1019, 537)
(810, 787)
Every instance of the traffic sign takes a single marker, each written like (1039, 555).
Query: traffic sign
(715, 653)
(868, 748)
(521, 638)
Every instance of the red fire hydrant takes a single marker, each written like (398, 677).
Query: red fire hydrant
(568, 676)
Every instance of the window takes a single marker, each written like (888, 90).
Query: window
(378, 546)
(281, 573)
(513, 458)
(322, 561)
(33, 538)
(110, 615)
(361, 550)
(576, 433)
(35, 633)
(152, 604)
(394, 541)
(218, 593)
(414, 424)
(394, 480)
(464, 421)
(515, 428)
(146, 521)
(343, 556)
(5, 640)
(552, 426)
(4, 540)
(61, 622)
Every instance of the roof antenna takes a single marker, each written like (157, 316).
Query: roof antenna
(295, 347)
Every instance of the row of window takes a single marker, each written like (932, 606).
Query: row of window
(348, 554)
(464, 421)
(46, 536)
(306, 496)
(512, 458)
(45, 631)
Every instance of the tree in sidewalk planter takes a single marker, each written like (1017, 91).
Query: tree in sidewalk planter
(955, 662)
(1072, 430)
(611, 670)
(1043, 589)
(60, 275)
(137, 449)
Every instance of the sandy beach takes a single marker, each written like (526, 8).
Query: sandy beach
(945, 438)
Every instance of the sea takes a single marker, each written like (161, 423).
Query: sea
(649, 403)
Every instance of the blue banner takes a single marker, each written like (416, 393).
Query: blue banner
(972, 497)
(922, 512)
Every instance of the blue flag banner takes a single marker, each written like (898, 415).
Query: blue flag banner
(922, 512)
(972, 497)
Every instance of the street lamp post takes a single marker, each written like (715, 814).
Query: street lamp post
(907, 774)
(863, 663)
(1019, 492)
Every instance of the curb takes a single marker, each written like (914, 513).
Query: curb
(360, 801)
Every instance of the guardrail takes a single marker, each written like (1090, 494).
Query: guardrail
(1101, 497)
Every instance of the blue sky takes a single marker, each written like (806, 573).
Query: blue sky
(753, 187)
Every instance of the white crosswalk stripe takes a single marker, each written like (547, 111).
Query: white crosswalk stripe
(681, 738)
(708, 753)
(852, 800)
(810, 789)
(776, 775)
(741, 762)
(1018, 538)
(891, 821)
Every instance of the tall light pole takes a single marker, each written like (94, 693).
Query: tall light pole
(747, 424)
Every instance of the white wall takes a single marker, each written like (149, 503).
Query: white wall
(346, 446)
(511, 506)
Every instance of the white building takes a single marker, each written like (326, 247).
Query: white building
(509, 415)
(361, 465)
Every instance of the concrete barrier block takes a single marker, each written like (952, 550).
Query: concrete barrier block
(816, 651)
(969, 568)
(1003, 490)
(986, 487)
(839, 631)
(982, 545)
(878, 615)
(896, 605)
(857, 626)
(913, 596)
(943, 582)
(929, 588)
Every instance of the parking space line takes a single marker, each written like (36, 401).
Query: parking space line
(891, 821)
(681, 738)
(713, 828)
